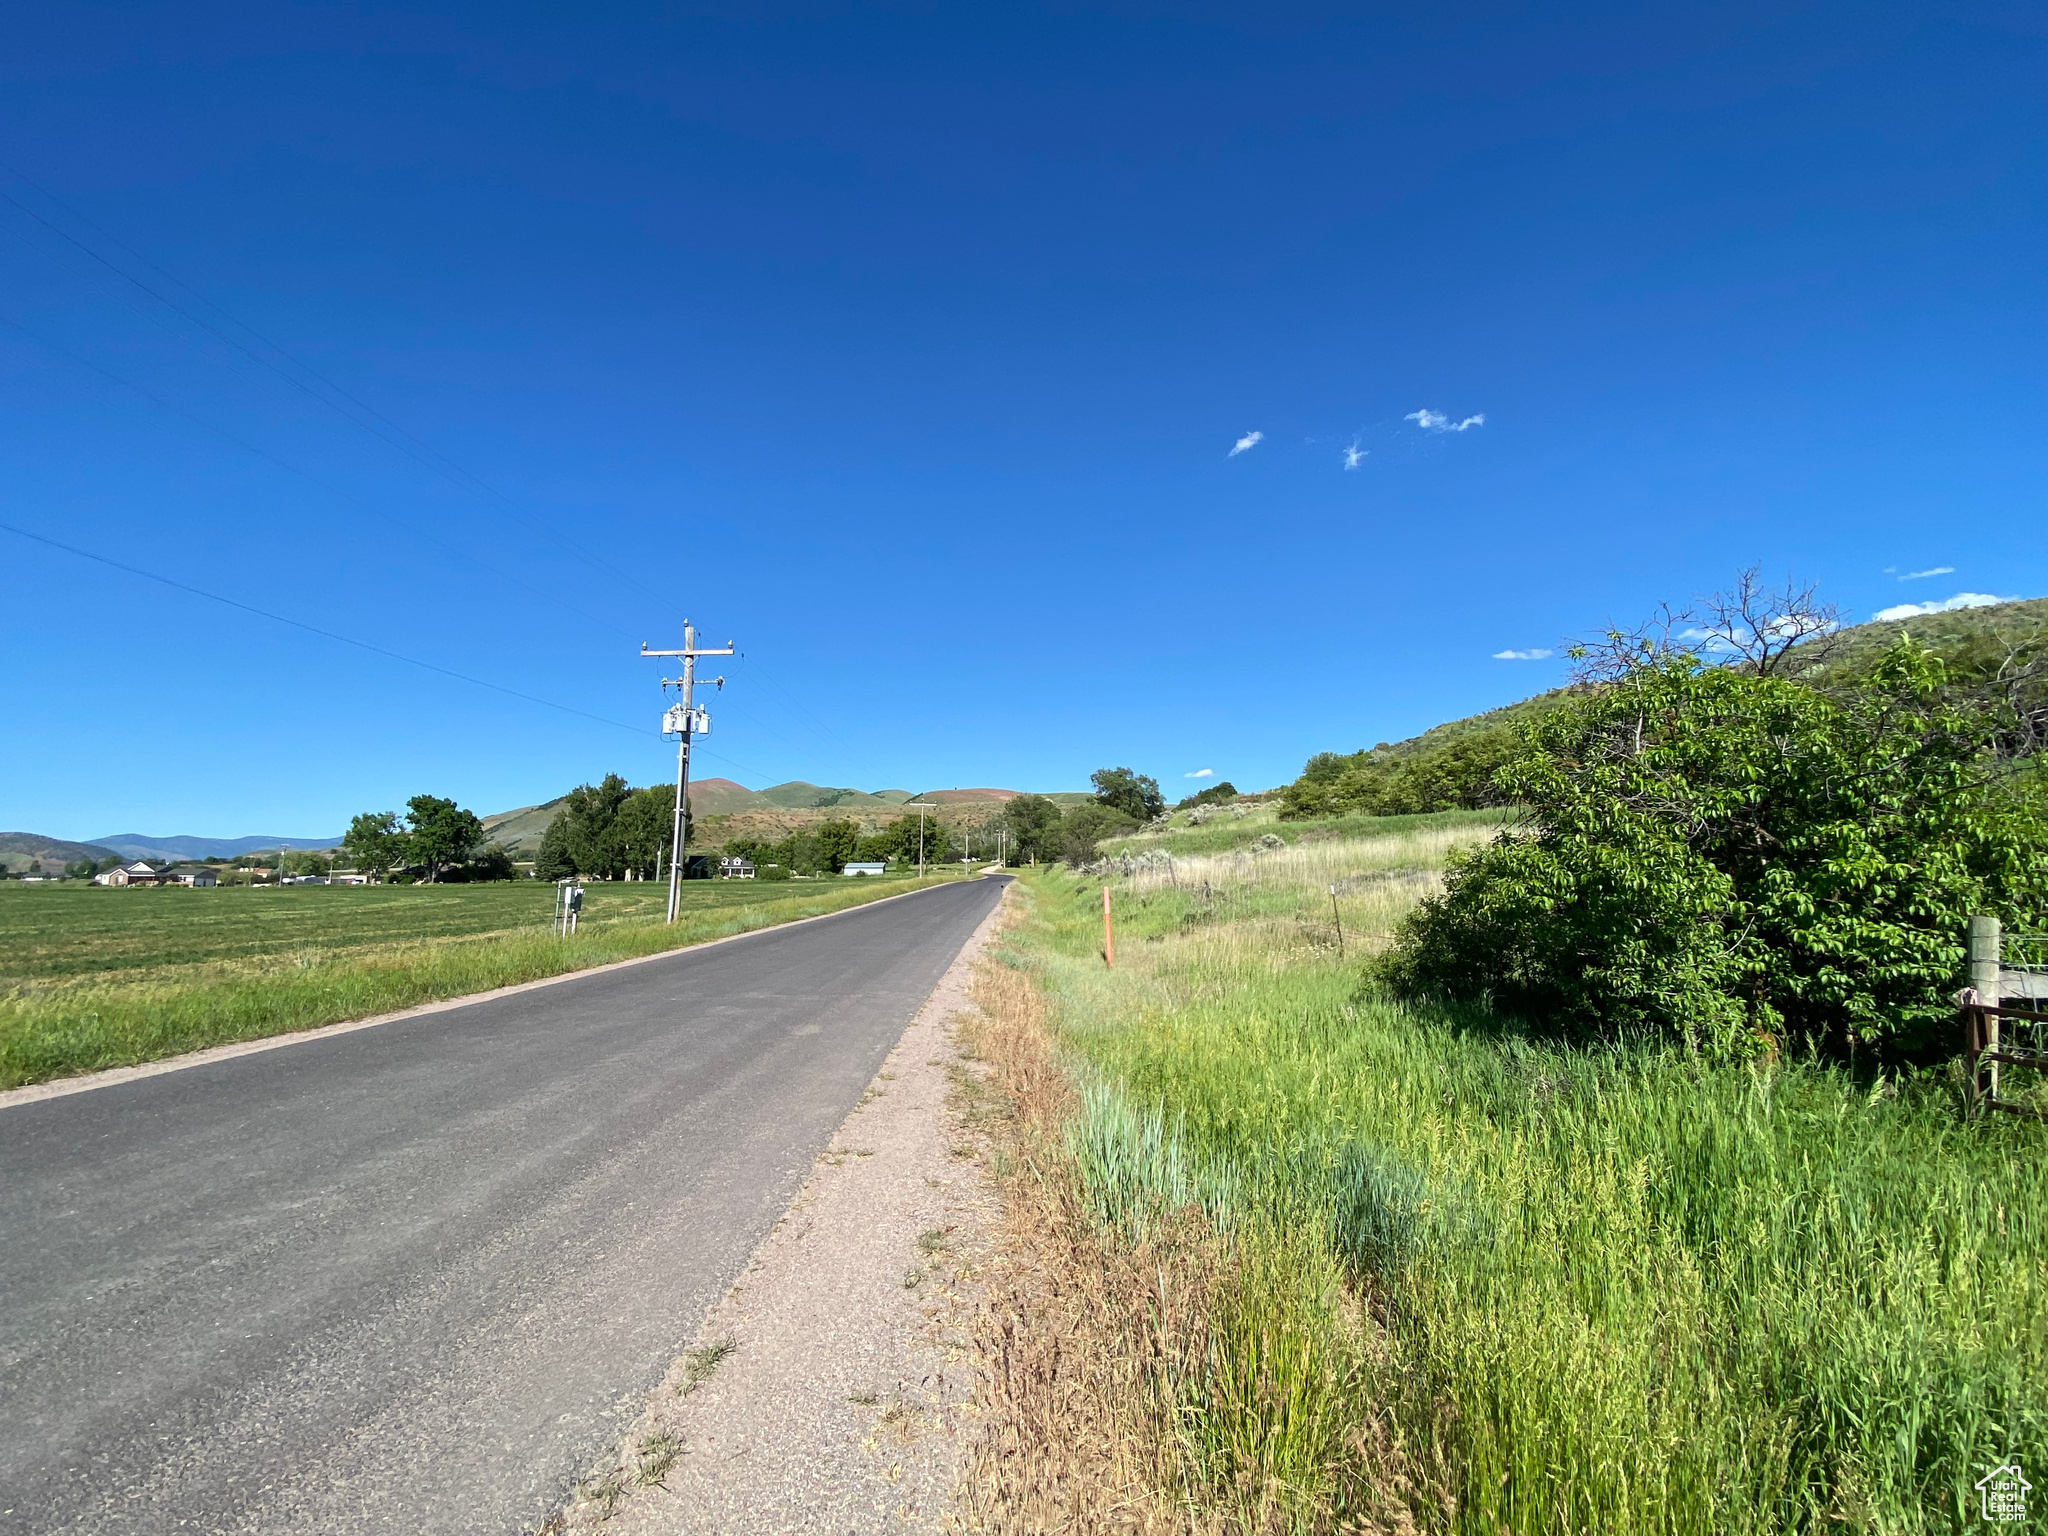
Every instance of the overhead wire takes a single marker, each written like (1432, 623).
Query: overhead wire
(314, 629)
(421, 453)
(411, 531)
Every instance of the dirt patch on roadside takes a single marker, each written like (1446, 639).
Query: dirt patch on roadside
(831, 1390)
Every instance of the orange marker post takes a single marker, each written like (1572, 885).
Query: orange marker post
(1108, 934)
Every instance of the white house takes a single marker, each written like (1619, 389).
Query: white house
(201, 878)
(735, 869)
(141, 872)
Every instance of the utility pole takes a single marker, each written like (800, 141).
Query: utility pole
(683, 720)
(922, 806)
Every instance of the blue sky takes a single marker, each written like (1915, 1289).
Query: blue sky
(909, 345)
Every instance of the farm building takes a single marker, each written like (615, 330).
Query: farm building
(877, 868)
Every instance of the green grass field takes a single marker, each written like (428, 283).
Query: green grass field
(93, 977)
(1527, 1286)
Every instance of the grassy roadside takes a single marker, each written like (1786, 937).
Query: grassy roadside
(92, 978)
(1329, 1262)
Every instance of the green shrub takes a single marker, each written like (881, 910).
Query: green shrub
(1220, 793)
(1735, 858)
(1454, 774)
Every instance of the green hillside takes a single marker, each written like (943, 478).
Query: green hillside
(520, 831)
(1972, 640)
(798, 795)
(19, 850)
(1450, 766)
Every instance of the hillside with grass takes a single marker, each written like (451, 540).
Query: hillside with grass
(1451, 766)
(23, 851)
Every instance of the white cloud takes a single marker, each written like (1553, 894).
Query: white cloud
(1932, 570)
(1437, 421)
(1534, 653)
(1354, 455)
(1200, 773)
(1245, 444)
(1960, 600)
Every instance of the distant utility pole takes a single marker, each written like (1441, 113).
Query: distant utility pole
(684, 720)
(922, 807)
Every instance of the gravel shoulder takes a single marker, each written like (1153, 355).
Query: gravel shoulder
(830, 1389)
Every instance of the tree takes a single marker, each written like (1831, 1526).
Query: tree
(1213, 795)
(644, 827)
(373, 843)
(1032, 822)
(592, 812)
(554, 862)
(1136, 795)
(1733, 858)
(838, 843)
(439, 833)
(493, 863)
(301, 861)
(1087, 825)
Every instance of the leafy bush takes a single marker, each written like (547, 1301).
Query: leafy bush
(1088, 824)
(1215, 794)
(1451, 774)
(1735, 859)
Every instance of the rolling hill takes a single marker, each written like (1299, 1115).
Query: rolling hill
(143, 845)
(19, 850)
(1449, 766)
(725, 810)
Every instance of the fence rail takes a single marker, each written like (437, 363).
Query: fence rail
(2002, 966)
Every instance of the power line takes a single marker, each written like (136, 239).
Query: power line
(429, 458)
(314, 629)
(361, 645)
(410, 530)
(421, 453)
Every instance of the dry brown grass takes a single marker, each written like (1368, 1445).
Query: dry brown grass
(1096, 1350)
(1076, 1336)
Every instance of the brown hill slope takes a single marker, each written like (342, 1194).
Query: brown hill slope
(18, 850)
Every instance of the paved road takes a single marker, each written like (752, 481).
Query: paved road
(414, 1278)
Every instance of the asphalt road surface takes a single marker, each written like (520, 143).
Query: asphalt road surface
(417, 1278)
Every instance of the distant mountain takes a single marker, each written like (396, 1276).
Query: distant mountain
(142, 845)
(797, 795)
(720, 797)
(734, 810)
(18, 850)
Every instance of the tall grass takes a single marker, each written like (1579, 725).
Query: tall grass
(1554, 1288)
(188, 969)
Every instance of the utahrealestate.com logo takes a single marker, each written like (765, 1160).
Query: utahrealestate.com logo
(2004, 1493)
